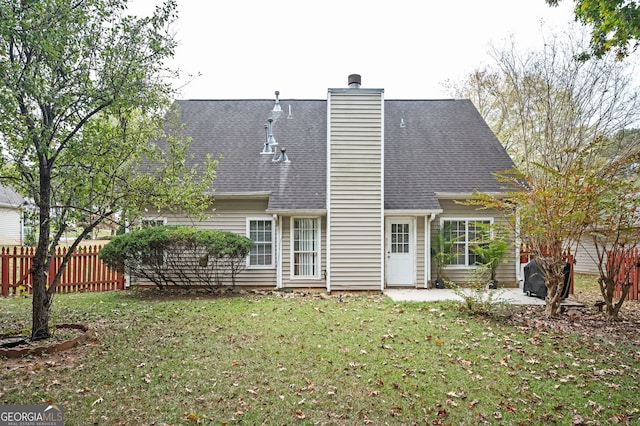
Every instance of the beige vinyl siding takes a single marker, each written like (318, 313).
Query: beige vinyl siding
(355, 228)
(287, 281)
(506, 273)
(231, 215)
(10, 226)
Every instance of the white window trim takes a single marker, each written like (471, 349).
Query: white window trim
(273, 245)
(466, 253)
(292, 275)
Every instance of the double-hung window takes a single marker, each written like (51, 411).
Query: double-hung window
(260, 231)
(305, 243)
(461, 234)
(152, 222)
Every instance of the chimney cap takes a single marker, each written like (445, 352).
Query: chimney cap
(355, 80)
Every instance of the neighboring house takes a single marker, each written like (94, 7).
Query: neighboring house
(11, 210)
(362, 186)
(586, 257)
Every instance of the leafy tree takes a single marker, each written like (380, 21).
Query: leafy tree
(615, 232)
(548, 212)
(178, 255)
(83, 89)
(563, 121)
(544, 106)
(615, 25)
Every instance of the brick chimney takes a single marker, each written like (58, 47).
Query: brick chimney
(354, 81)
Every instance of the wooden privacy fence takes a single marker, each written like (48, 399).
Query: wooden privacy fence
(629, 262)
(84, 271)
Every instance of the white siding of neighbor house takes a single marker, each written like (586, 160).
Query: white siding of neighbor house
(586, 258)
(231, 215)
(506, 272)
(10, 226)
(355, 189)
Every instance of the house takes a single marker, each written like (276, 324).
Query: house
(346, 193)
(11, 204)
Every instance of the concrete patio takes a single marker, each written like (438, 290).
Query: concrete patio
(514, 296)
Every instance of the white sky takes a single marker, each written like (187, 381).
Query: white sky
(246, 49)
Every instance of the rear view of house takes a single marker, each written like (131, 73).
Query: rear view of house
(346, 193)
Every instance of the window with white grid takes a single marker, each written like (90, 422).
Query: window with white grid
(462, 233)
(260, 231)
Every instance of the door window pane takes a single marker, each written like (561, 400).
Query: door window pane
(399, 238)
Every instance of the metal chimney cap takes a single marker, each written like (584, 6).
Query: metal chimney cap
(355, 80)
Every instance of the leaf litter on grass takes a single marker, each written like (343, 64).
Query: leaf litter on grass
(323, 359)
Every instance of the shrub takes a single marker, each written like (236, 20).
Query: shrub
(178, 255)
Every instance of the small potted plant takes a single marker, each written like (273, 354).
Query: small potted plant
(491, 248)
(442, 255)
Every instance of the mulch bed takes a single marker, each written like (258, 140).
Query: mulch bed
(586, 321)
(66, 337)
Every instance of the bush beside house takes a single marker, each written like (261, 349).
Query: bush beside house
(178, 255)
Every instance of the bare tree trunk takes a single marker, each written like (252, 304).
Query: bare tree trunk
(607, 287)
(554, 292)
(41, 305)
(41, 259)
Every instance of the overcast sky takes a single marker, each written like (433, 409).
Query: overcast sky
(250, 48)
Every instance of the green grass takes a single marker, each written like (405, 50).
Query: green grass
(315, 360)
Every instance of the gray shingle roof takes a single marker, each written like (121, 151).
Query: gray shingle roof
(444, 146)
(10, 198)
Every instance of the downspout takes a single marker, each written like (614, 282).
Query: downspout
(517, 242)
(427, 248)
(382, 219)
(278, 221)
(328, 192)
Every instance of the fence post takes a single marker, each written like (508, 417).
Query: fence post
(4, 266)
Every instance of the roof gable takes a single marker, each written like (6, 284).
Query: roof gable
(431, 146)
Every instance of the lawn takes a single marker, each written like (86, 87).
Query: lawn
(316, 359)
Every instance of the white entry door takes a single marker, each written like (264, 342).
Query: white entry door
(400, 252)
